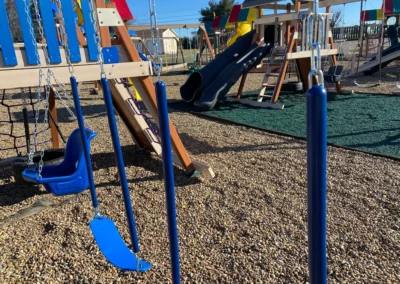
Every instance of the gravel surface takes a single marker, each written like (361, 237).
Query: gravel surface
(248, 225)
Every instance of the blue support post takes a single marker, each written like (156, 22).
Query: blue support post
(50, 32)
(120, 163)
(6, 40)
(86, 149)
(316, 175)
(161, 94)
(25, 21)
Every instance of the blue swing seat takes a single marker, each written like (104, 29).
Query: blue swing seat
(69, 177)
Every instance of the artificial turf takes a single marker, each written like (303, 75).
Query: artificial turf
(361, 121)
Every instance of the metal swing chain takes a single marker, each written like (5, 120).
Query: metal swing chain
(39, 95)
(64, 38)
(315, 19)
(155, 38)
(47, 89)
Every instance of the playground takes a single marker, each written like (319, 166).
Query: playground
(255, 210)
(218, 187)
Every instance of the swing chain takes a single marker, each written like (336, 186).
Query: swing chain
(39, 96)
(316, 19)
(94, 20)
(155, 38)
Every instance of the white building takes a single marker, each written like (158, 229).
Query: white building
(168, 37)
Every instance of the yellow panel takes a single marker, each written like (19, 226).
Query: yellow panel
(380, 15)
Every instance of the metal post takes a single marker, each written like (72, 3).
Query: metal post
(168, 179)
(316, 177)
(120, 163)
(86, 149)
(316, 155)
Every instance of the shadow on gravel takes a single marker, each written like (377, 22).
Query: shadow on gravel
(140, 159)
(12, 193)
(197, 147)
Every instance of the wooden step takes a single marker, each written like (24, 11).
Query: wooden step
(268, 85)
(272, 75)
(265, 96)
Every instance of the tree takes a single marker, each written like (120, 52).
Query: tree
(220, 8)
(337, 18)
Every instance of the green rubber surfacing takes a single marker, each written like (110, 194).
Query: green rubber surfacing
(363, 122)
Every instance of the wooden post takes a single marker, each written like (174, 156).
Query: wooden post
(52, 108)
(333, 57)
(104, 31)
(287, 37)
(282, 73)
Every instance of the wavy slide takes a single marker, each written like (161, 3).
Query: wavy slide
(206, 86)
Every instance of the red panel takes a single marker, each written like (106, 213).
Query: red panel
(123, 10)
(233, 18)
(388, 5)
(216, 22)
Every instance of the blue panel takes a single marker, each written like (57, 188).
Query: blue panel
(89, 29)
(110, 55)
(6, 41)
(70, 30)
(50, 31)
(29, 39)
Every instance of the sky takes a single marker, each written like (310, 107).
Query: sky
(187, 11)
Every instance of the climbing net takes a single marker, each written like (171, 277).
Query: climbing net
(12, 131)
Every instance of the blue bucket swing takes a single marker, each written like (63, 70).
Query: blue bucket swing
(69, 177)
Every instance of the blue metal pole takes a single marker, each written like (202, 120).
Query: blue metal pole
(86, 149)
(316, 174)
(120, 163)
(168, 179)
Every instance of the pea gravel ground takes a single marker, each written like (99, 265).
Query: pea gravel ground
(247, 225)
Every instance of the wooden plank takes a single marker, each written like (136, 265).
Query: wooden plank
(270, 19)
(138, 28)
(53, 46)
(81, 38)
(304, 67)
(304, 54)
(70, 30)
(6, 40)
(11, 78)
(89, 31)
(104, 31)
(55, 140)
(23, 64)
(25, 20)
(147, 91)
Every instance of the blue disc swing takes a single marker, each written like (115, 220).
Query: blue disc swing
(69, 177)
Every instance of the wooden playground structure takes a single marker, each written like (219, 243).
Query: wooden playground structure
(288, 33)
(19, 60)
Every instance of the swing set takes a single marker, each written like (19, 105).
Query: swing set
(66, 56)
